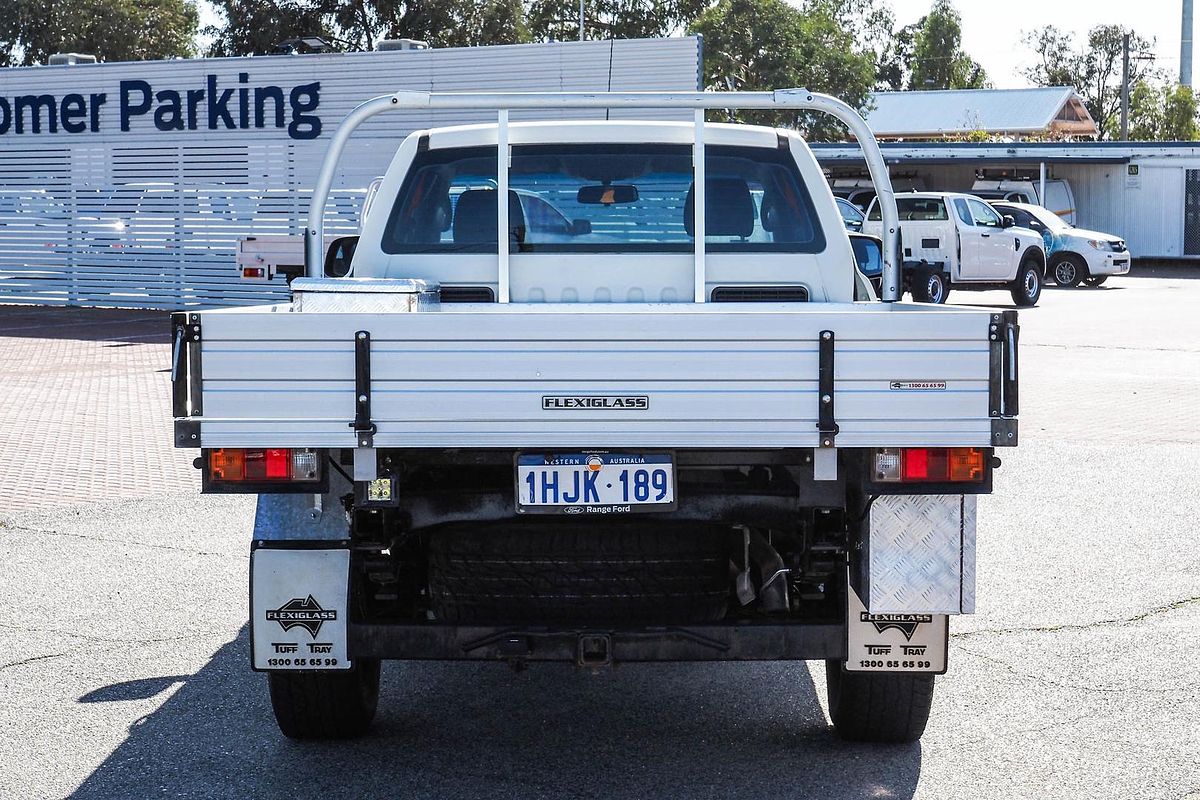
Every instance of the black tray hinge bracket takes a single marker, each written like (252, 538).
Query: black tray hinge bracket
(364, 428)
(187, 432)
(1003, 333)
(826, 422)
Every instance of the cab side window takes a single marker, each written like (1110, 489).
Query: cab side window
(1026, 220)
(983, 214)
(964, 213)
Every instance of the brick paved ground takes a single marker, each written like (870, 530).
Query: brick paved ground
(85, 410)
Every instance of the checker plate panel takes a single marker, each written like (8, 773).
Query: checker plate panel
(922, 554)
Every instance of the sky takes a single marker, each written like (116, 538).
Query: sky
(993, 30)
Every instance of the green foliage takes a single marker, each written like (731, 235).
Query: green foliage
(1093, 69)
(768, 44)
(558, 20)
(111, 30)
(255, 26)
(1162, 113)
(938, 60)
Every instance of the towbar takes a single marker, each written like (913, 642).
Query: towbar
(503, 102)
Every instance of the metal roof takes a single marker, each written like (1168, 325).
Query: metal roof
(978, 153)
(1057, 109)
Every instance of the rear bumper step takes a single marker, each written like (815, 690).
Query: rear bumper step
(599, 646)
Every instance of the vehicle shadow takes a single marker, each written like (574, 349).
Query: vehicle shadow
(1150, 268)
(120, 326)
(481, 730)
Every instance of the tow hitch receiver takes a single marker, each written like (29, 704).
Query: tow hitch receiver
(594, 650)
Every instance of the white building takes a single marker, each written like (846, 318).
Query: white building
(129, 184)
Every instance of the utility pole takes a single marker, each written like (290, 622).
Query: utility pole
(1185, 45)
(581, 20)
(1125, 88)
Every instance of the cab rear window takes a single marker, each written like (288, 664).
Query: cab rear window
(929, 209)
(604, 198)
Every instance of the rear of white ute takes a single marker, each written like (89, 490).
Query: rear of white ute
(663, 418)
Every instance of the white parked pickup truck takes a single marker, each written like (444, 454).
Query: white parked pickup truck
(643, 407)
(957, 241)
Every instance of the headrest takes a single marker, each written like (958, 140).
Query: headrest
(475, 217)
(728, 208)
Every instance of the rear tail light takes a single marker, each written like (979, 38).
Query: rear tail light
(930, 465)
(279, 465)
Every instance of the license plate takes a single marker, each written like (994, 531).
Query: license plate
(595, 483)
(894, 642)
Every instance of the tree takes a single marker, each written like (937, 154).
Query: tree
(1094, 70)
(256, 26)
(1162, 113)
(111, 30)
(893, 69)
(558, 20)
(938, 60)
(768, 44)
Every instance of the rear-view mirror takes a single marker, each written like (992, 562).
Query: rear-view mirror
(868, 254)
(1007, 221)
(339, 256)
(581, 227)
(606, 194)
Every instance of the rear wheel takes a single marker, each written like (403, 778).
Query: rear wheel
(1069, 271)
(326, 705)
(1027, 288)
(1095, 280)
(890, 707)
(931, 287)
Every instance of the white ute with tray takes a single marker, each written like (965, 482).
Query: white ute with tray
(957, 241)
(664, 417)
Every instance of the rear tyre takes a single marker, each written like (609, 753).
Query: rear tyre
(1095, 280)
(1027, 288)
(1069, 271)
(931, 287)
(888, 707)
(326, 705)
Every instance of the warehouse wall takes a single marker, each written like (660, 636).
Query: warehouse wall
(130, 184)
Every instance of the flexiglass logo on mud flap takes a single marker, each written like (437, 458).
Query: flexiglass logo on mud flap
(303, 612)
(907, 624)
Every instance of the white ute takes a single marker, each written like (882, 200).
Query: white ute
(957, 241)
(662, 417)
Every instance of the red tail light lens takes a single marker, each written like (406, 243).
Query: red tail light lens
(233, 465)
(930, 465)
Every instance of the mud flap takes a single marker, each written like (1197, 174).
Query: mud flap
(896, 642)
(298, 606)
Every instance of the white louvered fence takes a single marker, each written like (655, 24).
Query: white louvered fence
(150, 217)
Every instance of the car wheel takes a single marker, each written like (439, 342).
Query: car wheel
(1069, 271)
(1027, 288)
(1095, 280)
(890, 707)
(326, 705)
(931, 287)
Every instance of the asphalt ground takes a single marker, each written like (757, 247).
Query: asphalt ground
(124, 667)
